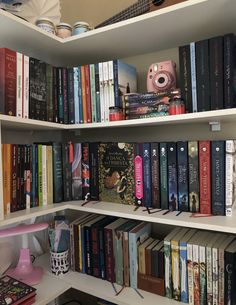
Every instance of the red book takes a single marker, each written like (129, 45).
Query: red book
(7, 81)
(83, 87)
(87, 92)
(205, 177)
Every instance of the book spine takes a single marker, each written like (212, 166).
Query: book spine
(172, 176)
(116, 83)
(76, 94)
(102, 96)
(175, 269)
(119, 258)
(76, 173)
(95, 251)
(216, 72)
(2, 80)
(154, 263)
(85, 172)
(111, 84)
(55, 96)
(60, 96)
(36, 177)
(163, 176)
(80, 94)
(33, 177)
(88, 95)
(93, 168)
(230, 148)
(205, 176)
(97, 88)
(19, 84)
(49, 171)
(83, 91)
(209, 275)
(57, 173)
(27, 178)
(190, 274)
(185, 76)
(147, 175)
(202, 71)
(168, 271)
(10, 82)
(71, 99)
(13, 205)
(182, 166)
(93, 93)
(44, 175)
(229, 71)
(75, 249)
(109, 256)
(138, 173)
(106, 90)
(193, 76)
(193, 177)
(102, 260)
(87, 243)
(126, 258)
(32, 63)
(221, 276)
(202, 274)
(40, 176)
(65, 95)
(229, 277)
(215, 277)
(196, 278)
(218, 172)
(183, 272)
(72, 248)
(40, 91)
(155, 165)
(49, 80)
(133, 260)
(7, 178)
(67, 172)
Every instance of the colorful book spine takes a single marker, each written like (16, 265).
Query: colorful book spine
(7, 177)
(83, 94)
(196, 275)
(13, 205)
(88, 94)
(175, 269)
(182, 163)
(19, 84)
(40, 175)
(65, 95)
(218, 172)
(147, 175)
(93, 168)
(172, 176)
(85, 172)
(80, 94)
(76, 172)
(205, 176)
(93, 93)
(60, 95)
(202, 274)
(163, 176)
(138, 173)
(76, 94)
(155, 166)
(190, 274)
(193, 177)
(67, 173)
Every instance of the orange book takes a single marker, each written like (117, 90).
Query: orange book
(7, 177)
(84, 102)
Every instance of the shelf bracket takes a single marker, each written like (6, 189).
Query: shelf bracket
(215, 126)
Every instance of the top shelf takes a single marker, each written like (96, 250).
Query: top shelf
(166, 28)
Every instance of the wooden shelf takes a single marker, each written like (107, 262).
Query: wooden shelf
(169, 27)
(103, 289)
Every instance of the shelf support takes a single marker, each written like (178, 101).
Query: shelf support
(215, 126)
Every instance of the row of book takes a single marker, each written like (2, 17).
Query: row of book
(200, 267)
(117, 250)
(31, 88)
(186, 176)
(207, 73)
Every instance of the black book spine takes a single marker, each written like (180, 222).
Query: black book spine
(172, 176)
(32, 63)
(163, 176)
(97, 88)
(216, 72)
(57, 173)
(85, 172)
(87, 245)
(230, 278)
(185, 76)
(60, 95)
(102, 258)
(70, 94)
(93, 166)
(55, 97)
(218, 177)
(229, 71)
(203, 80)
(40, 91)
(154, 263)
(155, 166)
(67, 172)
(49, 79)
(65, 95)
(147, 175)
(182, 161)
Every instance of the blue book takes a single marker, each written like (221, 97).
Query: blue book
(182, 161)
(172, 176)
(76, 95)
(136, 236)
(147, 187)
(184, 265)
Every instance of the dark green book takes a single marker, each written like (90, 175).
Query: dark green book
(57, 173)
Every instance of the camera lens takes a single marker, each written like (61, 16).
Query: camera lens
(161, 80)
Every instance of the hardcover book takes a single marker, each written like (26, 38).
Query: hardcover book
(182, 163)
(116, 172)
(163, 176)
(172, 176)
(230, 273)
(155, 172)
(147, 187)
(77, 172)
(57, 172)
(85, 172)
(230, 161)
(138, 173)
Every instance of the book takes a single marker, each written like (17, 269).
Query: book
(49, 84)
(193, 76)
(138, 174)
(141, 255)
(77, 172)
(93, 166)
(148, 256)
(230, 273)
(60, 98)
(172, 176)
(19, 84)
(7, 177)
(193, 176)
(57, 172)
(155, 260)
(216, 72)
(67, 172)
(205, 176)
(155, 172)
(85, 172)
(230, 197)
(182, 176)
(163, 176)
(71, 96)
(14, 291)
(218, 172)
(76, 75)
(8, 62)
(147, 187)
(136, 236)
(116, 172)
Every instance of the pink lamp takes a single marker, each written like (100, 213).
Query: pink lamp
(25, 271)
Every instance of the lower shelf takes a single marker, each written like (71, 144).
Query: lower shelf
(97, 287)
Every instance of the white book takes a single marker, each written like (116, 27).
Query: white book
(230, 162)
(19, 84)
(25, 91)
(44, 175)
(102, 96)
(106, 90)
(111, 83)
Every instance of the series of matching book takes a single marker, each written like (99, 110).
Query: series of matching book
(207, 73)
(31, 88)
(186, 176)
(189, 265)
